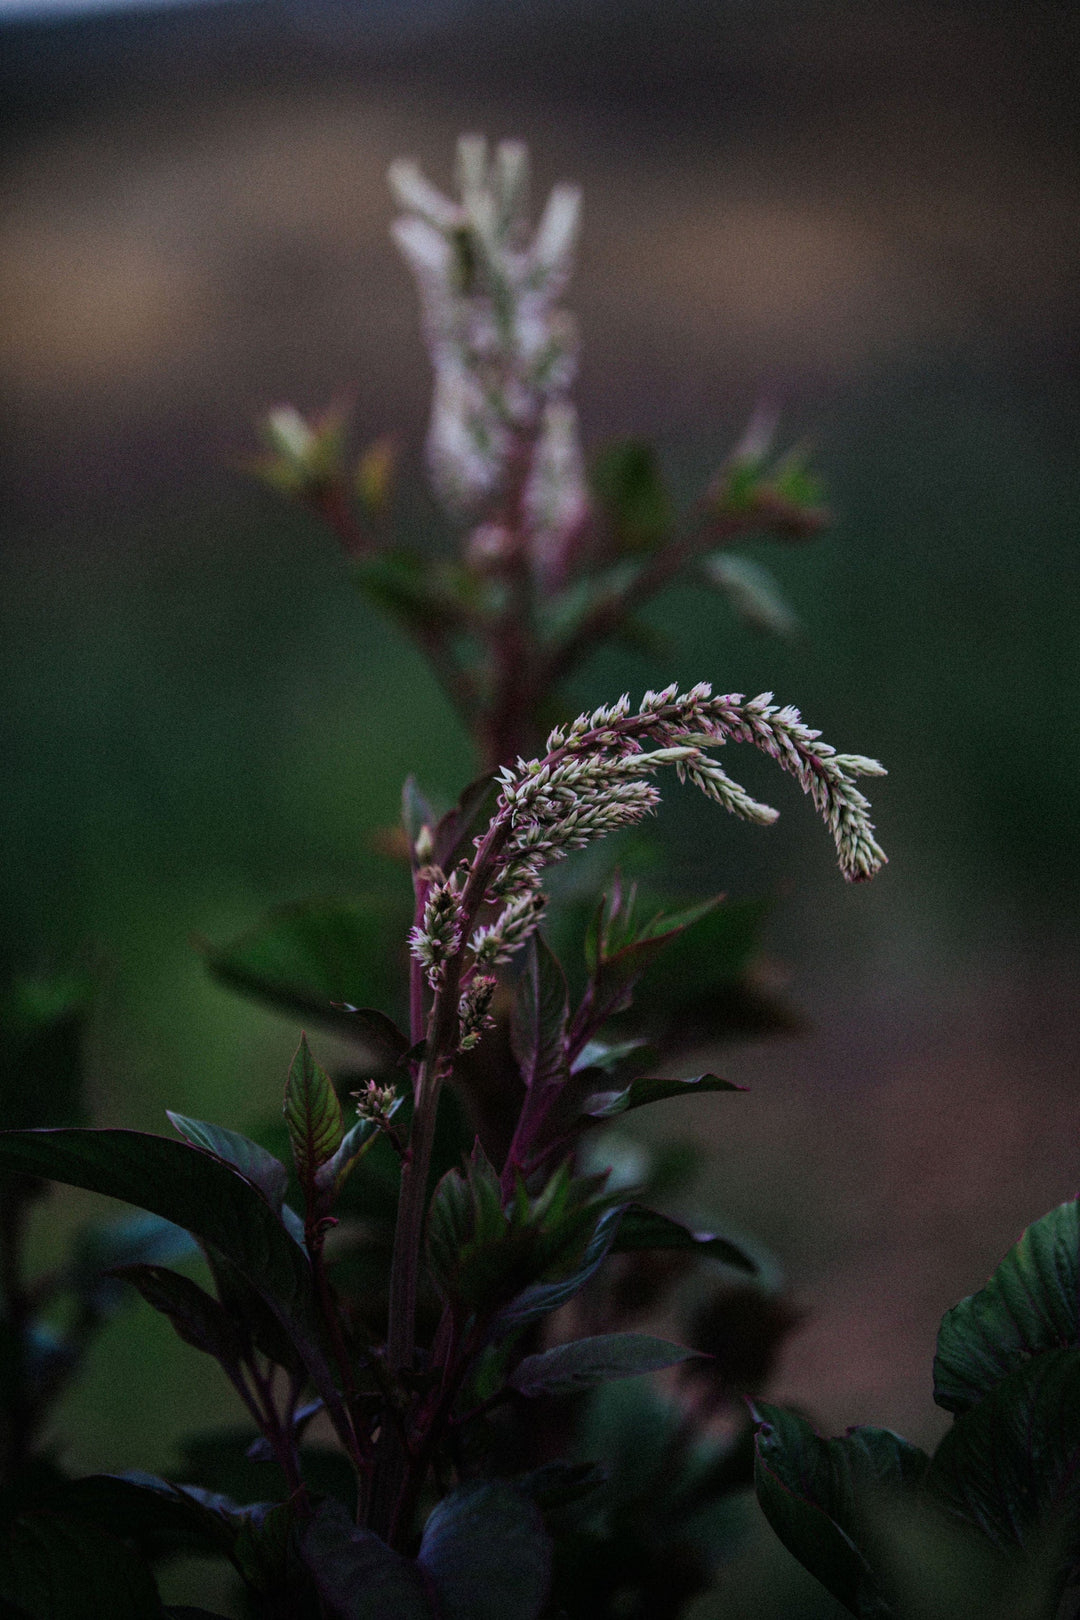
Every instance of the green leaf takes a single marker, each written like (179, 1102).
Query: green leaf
(317, 959)
(252, 1161)
(57, 1568)
(630, 490)
(619, 950)
(474, 1257)
(159, 1517)
(487, 1554)
(186, 1185)
(1031, 1304)
(313, 1115)
(820, 1496)
(604, 1105)
(357, 1575)
(198, 1318)
(541, 1298)
(541, 1010)
(1011, 1464)
(643, 1228)
(584, 1362)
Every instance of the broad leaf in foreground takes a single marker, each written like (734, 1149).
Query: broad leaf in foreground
(1031, 1304)
(487, 1554)
(252, 1161)
(209, 1198)
(1011, 1464)
(58, 1568)
(820, 1496)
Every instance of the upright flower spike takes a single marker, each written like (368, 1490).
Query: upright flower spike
(504, 351)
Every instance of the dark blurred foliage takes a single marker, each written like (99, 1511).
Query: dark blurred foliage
(862, 214)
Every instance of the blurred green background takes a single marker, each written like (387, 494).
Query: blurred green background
(862, 214)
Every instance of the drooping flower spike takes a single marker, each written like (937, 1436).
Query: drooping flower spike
(597, 776)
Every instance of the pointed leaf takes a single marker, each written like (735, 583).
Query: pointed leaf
(605, 1105)
(357, 1575)
(538, 1030)
(1031, 1304)
(313, 1115)
(487, 1554)
(567, 1368)
(198, 1318)
(820, 1495)
(643, 1228)
(617, 970)
(212, 1200)
(252, 1161)
(540, 1299)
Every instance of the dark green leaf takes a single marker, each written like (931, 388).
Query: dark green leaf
(160, 1518)
(358, 1141)
(358, 1576)
(260, 1327)
(57, 1568)
(473, 1256)
(252, 1161)
(619, 951)
(1011, 1464)
(1031, 1304)
(313, 1115)
(820, 1496)
(604, 1105)
(262, 1549)
(408, 585)
(630, 490)
(541, 1298)
(208, 1197)
(487, 1554)
(197, 1317)
(538, 1030)
(315, 959)
(643, 1228)
(585, 1362)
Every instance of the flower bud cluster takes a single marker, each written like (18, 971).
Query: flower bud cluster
(474, 1011)
(497, 942)
(434, 941)
(503, 350)
(375, 1102)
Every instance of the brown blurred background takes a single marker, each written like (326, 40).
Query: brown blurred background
(863, 213)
